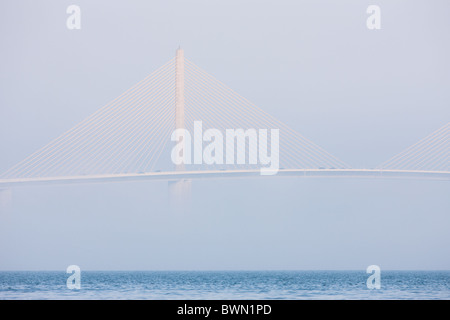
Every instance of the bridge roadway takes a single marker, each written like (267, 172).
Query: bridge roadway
(222, 174)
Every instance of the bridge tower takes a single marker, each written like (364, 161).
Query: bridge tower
(5, 200)
(179, 95)
(180, 190)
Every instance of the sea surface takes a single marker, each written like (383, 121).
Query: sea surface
(227, 285)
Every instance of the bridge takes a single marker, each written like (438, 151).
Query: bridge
(129, 139)
(224, 174)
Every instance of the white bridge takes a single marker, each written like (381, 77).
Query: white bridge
(129, 139)
(224, 174)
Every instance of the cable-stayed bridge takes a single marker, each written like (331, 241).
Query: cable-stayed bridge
(130, 139)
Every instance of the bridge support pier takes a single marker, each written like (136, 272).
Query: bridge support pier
(179, 190)
(180, 195)
(5, 200)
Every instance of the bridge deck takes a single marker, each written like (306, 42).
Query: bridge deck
(221, 174)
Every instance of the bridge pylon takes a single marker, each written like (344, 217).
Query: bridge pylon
(180, 190)
(5, 200)
(180, 195)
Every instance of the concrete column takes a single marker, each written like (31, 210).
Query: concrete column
(5, 200)
(180, 196)
(179, 96)
(179, 191)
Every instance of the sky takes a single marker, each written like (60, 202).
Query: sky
(363, 95)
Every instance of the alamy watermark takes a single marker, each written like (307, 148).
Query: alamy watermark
(73, 22)
(74, 280)
(374, 280)
(220, 149)
(373, 22)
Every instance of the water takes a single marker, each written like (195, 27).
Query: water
(225, 285)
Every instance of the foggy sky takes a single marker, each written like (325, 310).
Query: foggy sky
(363, 95)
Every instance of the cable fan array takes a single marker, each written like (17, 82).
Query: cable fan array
(132, 133)
(124, 136)
(429, 154)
